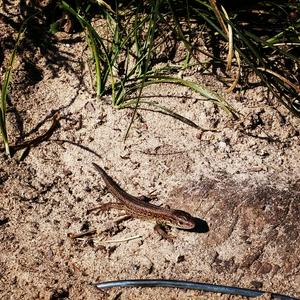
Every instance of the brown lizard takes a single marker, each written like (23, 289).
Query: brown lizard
(136, 207)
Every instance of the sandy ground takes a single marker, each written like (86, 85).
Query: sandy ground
(242, 180)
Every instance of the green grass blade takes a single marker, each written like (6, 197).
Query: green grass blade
(147, 48)
(4, 90)
(99, 50)
(166, 111)
(203, 91)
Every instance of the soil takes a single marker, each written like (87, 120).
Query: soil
(242, 181)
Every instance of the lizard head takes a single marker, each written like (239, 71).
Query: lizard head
(183, 220)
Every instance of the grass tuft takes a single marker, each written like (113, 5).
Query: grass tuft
(135, 36)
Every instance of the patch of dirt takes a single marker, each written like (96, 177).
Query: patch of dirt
(242, 180)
